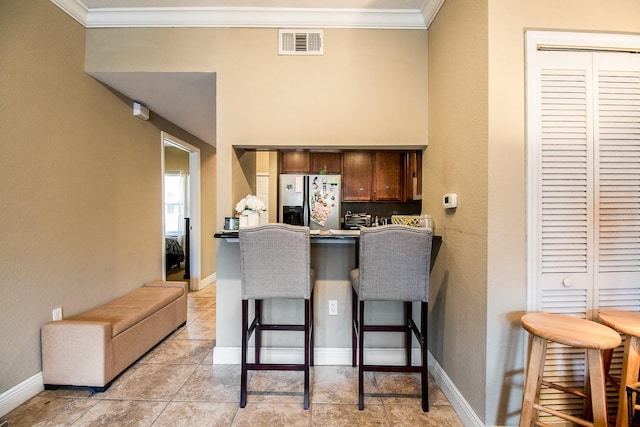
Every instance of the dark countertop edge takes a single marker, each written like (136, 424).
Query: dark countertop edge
(234, 235)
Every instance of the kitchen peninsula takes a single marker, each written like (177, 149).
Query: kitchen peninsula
(333, 256)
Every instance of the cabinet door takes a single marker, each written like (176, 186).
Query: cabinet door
(294, 162)
(413, 184)
(389, 175)
(357, 176)
(331, 162)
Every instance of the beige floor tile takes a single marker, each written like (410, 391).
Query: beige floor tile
(212, 383)
(197, 414)
(411, 415)
(149, 381)
(272, 415)
(339, 384)
(43, 410)
(179, 351)
(277, 386)
(332, 415)
(198, 330)
(121, 413)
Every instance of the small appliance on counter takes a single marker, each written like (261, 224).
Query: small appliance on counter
(355, 221)
(231, 223)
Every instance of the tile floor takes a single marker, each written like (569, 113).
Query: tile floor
(176, 384)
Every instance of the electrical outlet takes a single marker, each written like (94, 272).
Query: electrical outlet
(57, 313)
(333, 307)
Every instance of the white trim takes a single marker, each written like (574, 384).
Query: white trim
(16, 396)
(250, 17)
(194, 208)
(204, 282)
(430, 9)
(463, 410)
(75, 9)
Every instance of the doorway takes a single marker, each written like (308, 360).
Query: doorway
(181, 257)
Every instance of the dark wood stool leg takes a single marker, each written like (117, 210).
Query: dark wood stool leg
(258, 330)
(361, 357)
(408, 315)
(311, 329)
(307, 342)
(354, 327)
(423, 349)
(245, 339)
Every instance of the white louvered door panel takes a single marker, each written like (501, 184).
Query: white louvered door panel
(617, 112)
(584, 119)
(563, 199)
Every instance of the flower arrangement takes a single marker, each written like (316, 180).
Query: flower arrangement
(250, 203)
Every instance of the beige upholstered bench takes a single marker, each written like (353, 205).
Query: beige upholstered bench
(92, 348)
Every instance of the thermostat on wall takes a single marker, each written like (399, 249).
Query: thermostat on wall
(450, 200)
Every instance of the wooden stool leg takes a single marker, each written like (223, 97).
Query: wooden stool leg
(630, 367)
(598, 392)
(533, 380)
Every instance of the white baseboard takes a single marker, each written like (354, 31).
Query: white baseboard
(16, 396)
(466, 414)
(197, 285)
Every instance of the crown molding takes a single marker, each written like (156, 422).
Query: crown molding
(251, 17)
(430, 9)
(75, 9)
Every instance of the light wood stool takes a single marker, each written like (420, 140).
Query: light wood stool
(572, 332)
(628, 323)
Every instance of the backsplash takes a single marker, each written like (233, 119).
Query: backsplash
(383, 210)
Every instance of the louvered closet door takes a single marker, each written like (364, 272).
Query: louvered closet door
(584, 118)
(617, 180)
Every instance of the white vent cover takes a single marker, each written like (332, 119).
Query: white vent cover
(300, 42)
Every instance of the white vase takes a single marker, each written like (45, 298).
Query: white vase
(253, 217)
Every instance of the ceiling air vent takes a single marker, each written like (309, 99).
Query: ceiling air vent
(300, 42)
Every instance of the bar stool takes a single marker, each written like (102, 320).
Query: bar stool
(628, 323)
(573, 332)
(275, 263)
(393, 266)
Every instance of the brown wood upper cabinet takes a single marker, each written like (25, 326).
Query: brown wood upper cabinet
(357, 176)
(389, 175)
(413, 185)
(310, 162)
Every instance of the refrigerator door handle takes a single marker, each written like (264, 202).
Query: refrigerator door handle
(306, 214)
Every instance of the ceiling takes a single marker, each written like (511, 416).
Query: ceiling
(178, 96)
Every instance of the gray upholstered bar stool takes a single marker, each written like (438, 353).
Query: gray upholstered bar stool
(628, 323)
(275, 264)
(394, 264)
(573, 332)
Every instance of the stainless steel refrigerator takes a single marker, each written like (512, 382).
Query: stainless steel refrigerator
(312, 200)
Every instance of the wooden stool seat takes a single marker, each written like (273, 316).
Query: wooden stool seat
(573, 332)
(628, 323)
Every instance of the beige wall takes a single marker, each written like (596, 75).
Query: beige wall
(507, 181)
(81, 184)
(369, 89)
(456, 162)
(477, 103)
